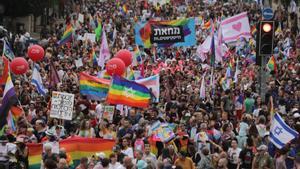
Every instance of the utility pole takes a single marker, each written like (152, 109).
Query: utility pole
(264, 49)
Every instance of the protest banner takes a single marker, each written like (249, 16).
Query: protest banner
(62, 105)
(177, 33)
(235, 27)
(162, 131)
(108, 112)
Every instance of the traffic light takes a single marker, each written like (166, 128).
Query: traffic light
(265, 38)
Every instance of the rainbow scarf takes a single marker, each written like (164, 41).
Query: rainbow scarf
(67, 36)
(128, 93)
(77, 148)
(93, 87)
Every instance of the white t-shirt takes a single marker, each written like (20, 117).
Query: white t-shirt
(233, 155)
(293, 6)
(128, 152)
(114, 166)
(3, 152)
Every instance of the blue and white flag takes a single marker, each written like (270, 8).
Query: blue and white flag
(7, 51)
(37, 82)
(281, 133)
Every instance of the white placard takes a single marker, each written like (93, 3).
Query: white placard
(78, 63)
(108, 113)
(62, 105)
(90, 36)
(80, 18)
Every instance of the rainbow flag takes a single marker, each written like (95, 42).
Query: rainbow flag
(128, 93)
(207, 25)
(130, 74)
(67, 36)
(93, 57)
(253, 30)
(272, 64)
(137, 57)
(93, 87)
(8, 100)
(103, 74)
(278, 30)
(124, 9)
(12, 117)
(77, 148)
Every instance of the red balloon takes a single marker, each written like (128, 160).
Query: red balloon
(36, 53)
(115, 66)
(19, 66)
(126, 56)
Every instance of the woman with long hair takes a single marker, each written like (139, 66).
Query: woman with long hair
(86, 130)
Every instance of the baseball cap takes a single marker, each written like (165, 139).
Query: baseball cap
(101, 155)
(141, 164)
(262, 148)
(296, 115)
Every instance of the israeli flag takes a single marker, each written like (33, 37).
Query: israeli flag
(36, 80)
(281, 133)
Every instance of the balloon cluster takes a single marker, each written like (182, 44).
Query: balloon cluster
(118, 64)
(19, 65)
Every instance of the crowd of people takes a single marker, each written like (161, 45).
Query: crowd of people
(228, 129)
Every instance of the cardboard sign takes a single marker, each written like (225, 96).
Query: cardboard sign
(62, 105)
(108, 112)
(80, 18)
(78, 63)
(90, 36)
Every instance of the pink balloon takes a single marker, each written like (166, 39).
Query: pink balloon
(115, 66)
(126, 56)
(36, 53)
(19, 66)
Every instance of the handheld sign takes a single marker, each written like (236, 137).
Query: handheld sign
(268, 13)
(62, 105)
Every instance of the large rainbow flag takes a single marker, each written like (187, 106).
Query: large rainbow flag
(67, 36)
(77, 148)
(93, 87)
(128, 93)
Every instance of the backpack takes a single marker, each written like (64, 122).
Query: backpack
(139, 144)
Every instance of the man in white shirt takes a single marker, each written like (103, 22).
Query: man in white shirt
(293, 6)
(148, 154)
(4, 152)
(99, 110)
